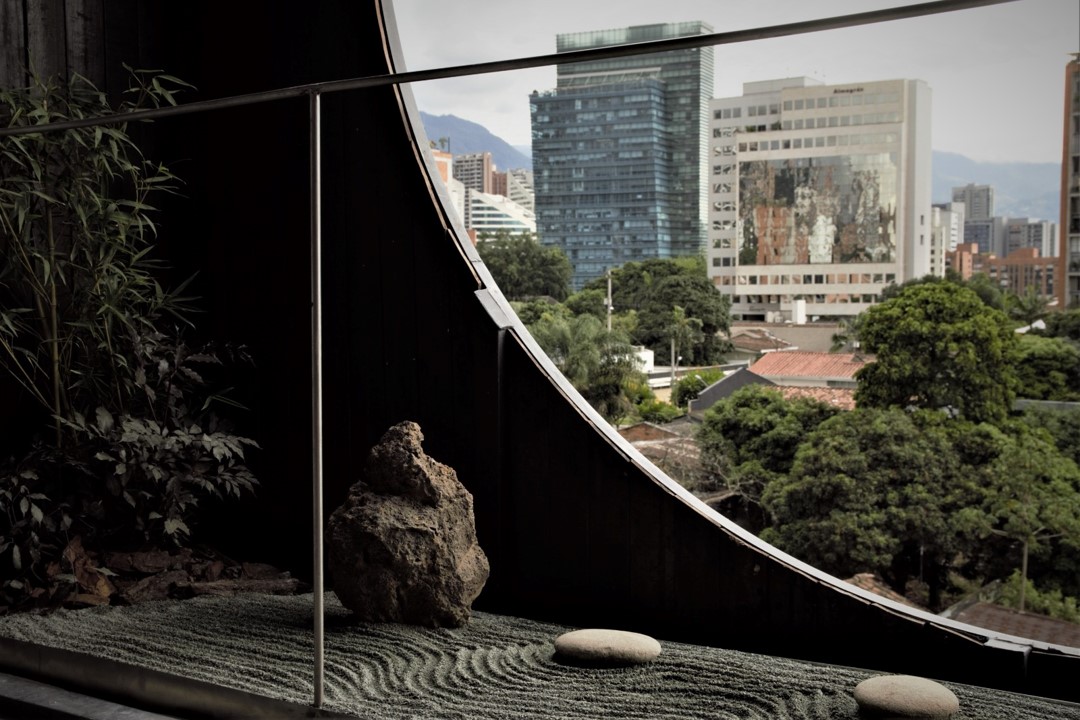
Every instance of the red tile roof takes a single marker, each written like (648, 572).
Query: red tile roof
(871, 582)
(756, 340)
(810, 364)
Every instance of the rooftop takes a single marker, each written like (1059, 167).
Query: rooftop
(810, 364)
(1021, 624)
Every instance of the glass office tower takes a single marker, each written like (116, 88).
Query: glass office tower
(619, 151)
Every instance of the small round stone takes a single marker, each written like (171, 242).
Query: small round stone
(606, 647)
(905, 696)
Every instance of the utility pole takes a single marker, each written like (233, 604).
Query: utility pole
(609, 308)
(672, 362)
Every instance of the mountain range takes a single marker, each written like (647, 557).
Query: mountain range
(1029, 190)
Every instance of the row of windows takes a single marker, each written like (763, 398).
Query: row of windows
(841, 121)
(800, 143)
(755, 110)
(640, 210)
(806, 279)
(842, 100)
(822, 141)
(839, 298)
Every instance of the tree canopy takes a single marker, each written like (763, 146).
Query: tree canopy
(1065, 324)
(939, 346)
(597, 362)
(751, 437)
(1048, 368)
(1030, 496)
(652, 289)
(869, 490)
(523, 268)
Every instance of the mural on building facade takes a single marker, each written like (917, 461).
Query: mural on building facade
(838, 209)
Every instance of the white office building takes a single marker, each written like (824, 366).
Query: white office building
(819, 193)
(947, 232)
(488, 214)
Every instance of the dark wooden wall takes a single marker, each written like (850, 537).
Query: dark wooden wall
(578, 527)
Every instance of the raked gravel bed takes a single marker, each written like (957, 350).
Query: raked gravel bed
(496, 667)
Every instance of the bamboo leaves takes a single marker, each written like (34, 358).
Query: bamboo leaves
(75, 232)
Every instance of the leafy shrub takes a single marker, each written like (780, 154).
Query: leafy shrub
(124, 480)
(658, 411)
(136, 441)
(162, 457)
(33, 526)
(687, 388)
(1044, 602)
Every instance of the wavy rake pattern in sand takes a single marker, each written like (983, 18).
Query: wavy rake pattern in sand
(497, 667)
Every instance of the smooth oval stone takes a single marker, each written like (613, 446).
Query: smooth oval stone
(606, 647)
(905, 696)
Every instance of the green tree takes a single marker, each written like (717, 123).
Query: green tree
(1063, 427)
(938, 346)
(1027, 308)
(598, 363)
(530, 311)
(988, 292)
(700, 300)
(1030, 496)
(869, 491)
(1048, 368)
(688, 387)
(588, 302)
(685, 333)
(631, 282)
(751, 438)
(1065, 324)
(523, 268)
(649, 290)
(1016, 593)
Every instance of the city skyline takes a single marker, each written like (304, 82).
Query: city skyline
(995, 72)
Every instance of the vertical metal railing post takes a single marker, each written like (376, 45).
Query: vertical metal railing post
(315, 121)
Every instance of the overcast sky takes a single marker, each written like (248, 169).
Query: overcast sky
(996, 73)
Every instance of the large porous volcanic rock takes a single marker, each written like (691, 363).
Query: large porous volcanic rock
(402, 547)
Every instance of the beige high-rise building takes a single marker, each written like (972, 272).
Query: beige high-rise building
(819, 193)
(474, 170)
